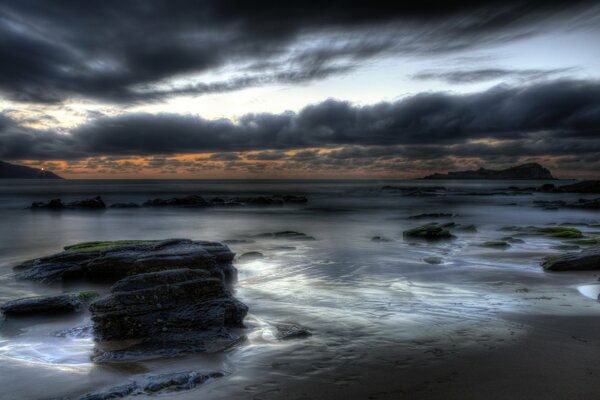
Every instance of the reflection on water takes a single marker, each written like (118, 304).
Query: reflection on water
(356, 295)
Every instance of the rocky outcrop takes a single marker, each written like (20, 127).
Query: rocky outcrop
(584, 261)
(95, 203)
(585, 204)
(13, 171)
(188, 201)
(125, 205)
(111, 261)
(525, 171)
(431, 231)
(64, 303)
(169, 312)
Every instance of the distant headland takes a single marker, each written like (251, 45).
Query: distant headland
(524, 171)
(13, 171)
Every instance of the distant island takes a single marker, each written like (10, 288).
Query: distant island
(13, 171)
(524, 171)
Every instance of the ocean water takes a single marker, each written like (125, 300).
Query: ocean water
(365, 301)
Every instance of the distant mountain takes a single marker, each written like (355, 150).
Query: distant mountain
(525, 171)
(12, 171)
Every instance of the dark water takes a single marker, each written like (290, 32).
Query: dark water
(355, 294)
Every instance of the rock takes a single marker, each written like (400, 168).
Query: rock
(291, 331)
(237, 241)
(156, 384)
(429, 232)
(54, 204)
(431, 216)
(434, 260)
(111, 261)
(498, 244)
(168, 313)
(116, 392)
(125, 205)
(95, 203)
(583, 261)
(91, 204)
(511, 239)
(566, 247)
(64, 303)
(524, 171)
(466, 228)
(251, 255)
(289, 235)
(188, 201)
(581, 187)
(178, 381)
(547, 188)
(380, 239)
(589, 204)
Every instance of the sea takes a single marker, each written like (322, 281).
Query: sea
(361, 287)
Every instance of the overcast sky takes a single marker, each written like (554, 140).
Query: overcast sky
(260, 89)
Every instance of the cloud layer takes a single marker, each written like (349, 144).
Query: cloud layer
(132, 51)
(550, 119)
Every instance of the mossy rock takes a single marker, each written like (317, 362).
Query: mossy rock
(496, 244)
(566, 247)
(431, 231)
(87, 296)
(561, 232)
(98, 246)
(433, 260)
(511, 239)
(587, 241)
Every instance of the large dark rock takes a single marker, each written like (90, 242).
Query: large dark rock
(111, 261)
(525, 171)
(170, 312)
(584, 261)
(64, 303)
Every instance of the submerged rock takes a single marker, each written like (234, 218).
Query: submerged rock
(290, 235)
(291, 331)
(431, 231)
(497, 244)
(64, 303)
(111, 261)
(169, 313)
(583, 261)
(156, 384)
(251, 255)
(434, 260)
(431, 216)
(380, 239)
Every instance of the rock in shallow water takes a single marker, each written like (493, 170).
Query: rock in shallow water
(64, 303)
(584, 261)
(291, 331)
(431, 231)
(170, 312)
(111, 261)
(156, 384)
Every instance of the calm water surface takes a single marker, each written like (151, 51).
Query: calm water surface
(356, 295)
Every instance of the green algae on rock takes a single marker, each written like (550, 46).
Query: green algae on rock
(103, 245)
(431, 231)
(584, 261)
(497, 244)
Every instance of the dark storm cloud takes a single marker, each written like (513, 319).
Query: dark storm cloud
(121, 51)
(554, 118)
(488, 74)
